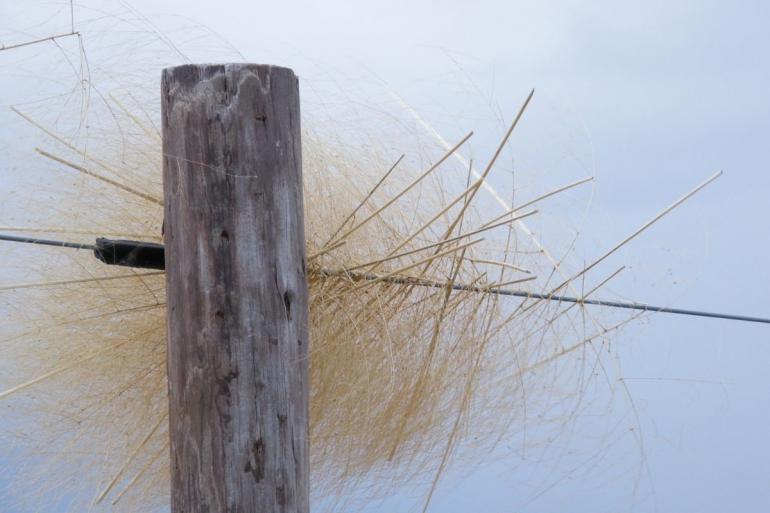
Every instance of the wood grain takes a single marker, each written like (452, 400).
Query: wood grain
(237, 290)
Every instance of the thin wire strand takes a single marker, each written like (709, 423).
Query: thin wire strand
(47, 242)
(491, 289)
(405, 280)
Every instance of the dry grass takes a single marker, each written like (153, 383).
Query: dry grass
(405, 378)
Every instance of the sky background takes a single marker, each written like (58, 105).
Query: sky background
(650, 98)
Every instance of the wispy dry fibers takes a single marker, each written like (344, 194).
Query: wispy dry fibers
(405, 378)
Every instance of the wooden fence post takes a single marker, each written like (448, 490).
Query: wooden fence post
(236, 289)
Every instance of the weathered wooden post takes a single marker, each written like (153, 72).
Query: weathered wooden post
(237, 291)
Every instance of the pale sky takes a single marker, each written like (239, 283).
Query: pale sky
(651, 98)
